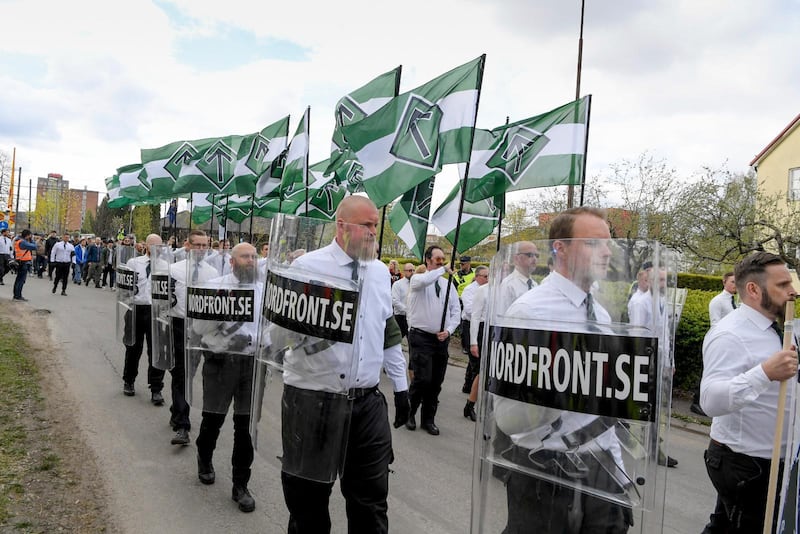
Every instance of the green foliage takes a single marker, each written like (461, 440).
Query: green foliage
(109, 220)
(700, 281)
(88, 223)
(689, 336)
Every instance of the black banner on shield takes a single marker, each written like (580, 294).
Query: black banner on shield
(596, 374)
(159, 286)
(220, 304)
(126, 279)
(311, 308)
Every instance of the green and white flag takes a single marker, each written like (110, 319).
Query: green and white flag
(295, 169)
(257, 155)
(354, 106)
(324, 193)
(478, 220)
(202, 208)
(409, 139)
(133, 183)
(409, 217)
(543, 151)
(163, 165)
(114, 198)
(233, 208)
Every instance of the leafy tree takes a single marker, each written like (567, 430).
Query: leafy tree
(146, 220)
(109, 220)
(51, 211)
(88, 223)
(725, 216)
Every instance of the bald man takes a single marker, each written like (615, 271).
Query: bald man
(142, 307)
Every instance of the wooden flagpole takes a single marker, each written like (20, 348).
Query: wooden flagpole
(772, 488)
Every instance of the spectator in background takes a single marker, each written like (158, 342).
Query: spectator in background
(394, 271)
(6, 250)
(93, 262)
(41, 257)
(108, 258)
(78, 261)
(399, 298)
(48, 247)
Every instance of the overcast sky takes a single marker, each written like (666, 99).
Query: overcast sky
(85, 84)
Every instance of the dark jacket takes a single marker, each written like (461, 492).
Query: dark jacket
(93, 254)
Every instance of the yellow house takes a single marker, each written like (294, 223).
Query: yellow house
(777, 167)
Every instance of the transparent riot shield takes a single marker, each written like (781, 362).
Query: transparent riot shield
(310, 341)
(575, 388)
(789, 492)
(221, 333)
(162, 296)
(126, 289)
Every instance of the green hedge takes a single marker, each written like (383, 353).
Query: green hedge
(689, 336)
(702, 282)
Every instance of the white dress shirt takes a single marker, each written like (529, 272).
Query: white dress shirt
(640, 308)
(62, 252)
(467, 296)
(479, 309)
(329, 369)
(425, 307)
(559, 305)
(6, 246)
(141, 294)
(180, 272)
(512, 287)
(720, 306)
(735, 391)
(400, 296)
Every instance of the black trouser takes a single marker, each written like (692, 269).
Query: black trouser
(402, 322)
(4, 259)
(133, 353)
(94, 273)
(474, 363)
(465, 335)
(41, 265)
(227, 378)
(741, 482)
(538, 505)
(364, 481)
(62, 274)
(179, 408)
(109, 275)
(51, 265)
(428, 359)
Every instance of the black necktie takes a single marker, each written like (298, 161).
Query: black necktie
(354, 270)
(733, 301)
(196, 272)
(590, 307)
(147, 269)
(438, 288)
(778, 329)
(530, 283)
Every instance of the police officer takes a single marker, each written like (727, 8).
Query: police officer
(142, 308)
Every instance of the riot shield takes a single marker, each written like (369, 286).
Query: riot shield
(162, 295)
(576, 383)
(310, 341)
(221, 335)
(126, 289)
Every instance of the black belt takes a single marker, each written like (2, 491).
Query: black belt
(422, 332)
(357, 393)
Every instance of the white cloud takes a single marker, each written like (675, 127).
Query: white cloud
(695, 82)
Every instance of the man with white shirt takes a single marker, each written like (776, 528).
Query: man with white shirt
(199, 271)
(364, 481)
(724, 303)
(744, 363)
(467, 297)
(61, 258)
(429, 336)
(580, 243)
(142, 301)
(640, 305)
(477, 325)
(399, 298)
(6, 250)
(519, 281)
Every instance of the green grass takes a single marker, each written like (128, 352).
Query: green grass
(19, 385)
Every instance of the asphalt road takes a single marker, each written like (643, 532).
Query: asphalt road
(152, 486)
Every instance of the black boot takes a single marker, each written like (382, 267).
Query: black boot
(469, 411)
(411, 424)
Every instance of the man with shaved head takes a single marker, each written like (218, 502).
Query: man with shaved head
(524, 255)
(142, 307)
(365, 478)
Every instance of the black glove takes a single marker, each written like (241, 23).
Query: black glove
(402, 409)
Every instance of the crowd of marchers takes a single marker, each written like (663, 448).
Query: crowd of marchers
(427, 305)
